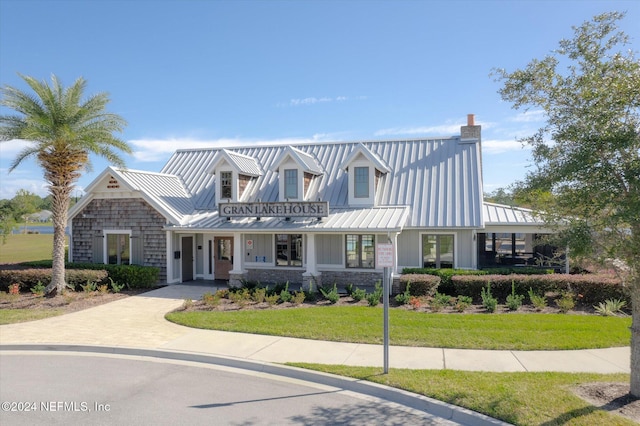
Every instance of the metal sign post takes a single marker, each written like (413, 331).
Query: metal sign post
(385, 259)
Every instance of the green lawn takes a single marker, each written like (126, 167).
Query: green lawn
(10, 316)
(363, 324)
(517, 398)
(26, 248)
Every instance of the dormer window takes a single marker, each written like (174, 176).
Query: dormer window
(299, 175)
(364, 171)
(226, 185)
(361, 182)
(235, 174)
(291, 184)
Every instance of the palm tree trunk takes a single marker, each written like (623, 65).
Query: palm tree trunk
(60, 206)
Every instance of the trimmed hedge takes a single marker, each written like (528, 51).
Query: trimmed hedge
(445, 275)
(133, 276)
(420, 284)
(589, 289)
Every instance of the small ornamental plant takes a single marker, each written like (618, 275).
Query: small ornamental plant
(14, 288)
(415, 302)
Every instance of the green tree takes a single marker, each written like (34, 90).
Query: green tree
(587, 154)
(64, 129)
(24, 203)
(7, 221)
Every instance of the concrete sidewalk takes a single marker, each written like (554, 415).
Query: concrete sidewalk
(138, 322)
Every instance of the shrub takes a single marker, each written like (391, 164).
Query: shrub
(538, 302)
(358, 294)
(259, 295)
(349, 288)
(115, 287)
(332, 295)
(445, 285)
(285, 295)
(38, 289)
(593, 287)
(211, 299)
(421, 284)
(415, 302)
(298, 298)
(514, 301)
(566, 302)
(439, 301)
(187, 303)
(14, 288)
(272, 299)
(89, 287)
(489, 302)
(403, 298)
(610, 307)
(462, 303)
(374, 298)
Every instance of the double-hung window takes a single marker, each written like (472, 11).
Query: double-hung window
(288, 250)
(360, 251)
(226, 185)
(361, 182)
(291, 184)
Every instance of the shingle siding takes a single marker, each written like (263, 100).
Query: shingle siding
(131, 214)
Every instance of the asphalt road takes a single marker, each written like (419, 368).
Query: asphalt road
(101, 389)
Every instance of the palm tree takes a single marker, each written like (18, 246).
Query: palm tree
(64, 129)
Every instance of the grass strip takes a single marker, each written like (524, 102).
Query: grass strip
(10, 316)
(517, 398)
(361, 324)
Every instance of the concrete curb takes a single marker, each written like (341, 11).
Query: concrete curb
(418, 402)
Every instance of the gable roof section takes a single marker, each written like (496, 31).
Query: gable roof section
(439, 180)
(165, 193)
(371, 156)
(306, 161)
(243, 164)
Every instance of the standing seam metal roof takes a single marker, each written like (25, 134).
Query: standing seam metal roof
(438, 179)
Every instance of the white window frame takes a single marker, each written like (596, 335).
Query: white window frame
(234, 185)
(361, 201)
(297, 183)
(105, 248)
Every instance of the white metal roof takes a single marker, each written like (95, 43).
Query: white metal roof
(498, 214)
(438, 180)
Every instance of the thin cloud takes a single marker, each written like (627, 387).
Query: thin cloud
(152, 150)
(312, 100)
(495, 146)
(529, 117)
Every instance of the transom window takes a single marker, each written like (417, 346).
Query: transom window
(360, 251)
(118, 249)
(226, 185)
(361, 182)
(437, 251)
(288, 250)
(291, 183)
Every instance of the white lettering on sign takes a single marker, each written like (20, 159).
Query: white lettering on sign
(384, 253)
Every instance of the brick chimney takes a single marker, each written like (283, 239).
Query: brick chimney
(470, 131)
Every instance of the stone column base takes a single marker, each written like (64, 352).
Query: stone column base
(311, 281)
(236, 279)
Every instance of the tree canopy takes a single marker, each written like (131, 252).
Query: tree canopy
(587, 154)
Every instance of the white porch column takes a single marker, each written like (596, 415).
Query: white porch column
(238, 250)
(311, 274)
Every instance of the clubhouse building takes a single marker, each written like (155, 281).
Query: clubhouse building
(303, 213)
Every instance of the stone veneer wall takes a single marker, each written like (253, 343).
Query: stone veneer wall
(364, 280)
(132, 214)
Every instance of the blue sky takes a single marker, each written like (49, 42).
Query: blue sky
(226, 73)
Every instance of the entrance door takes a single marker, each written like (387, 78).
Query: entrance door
(223, 262)
(187, 259)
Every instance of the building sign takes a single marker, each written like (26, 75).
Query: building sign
(286, 209)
